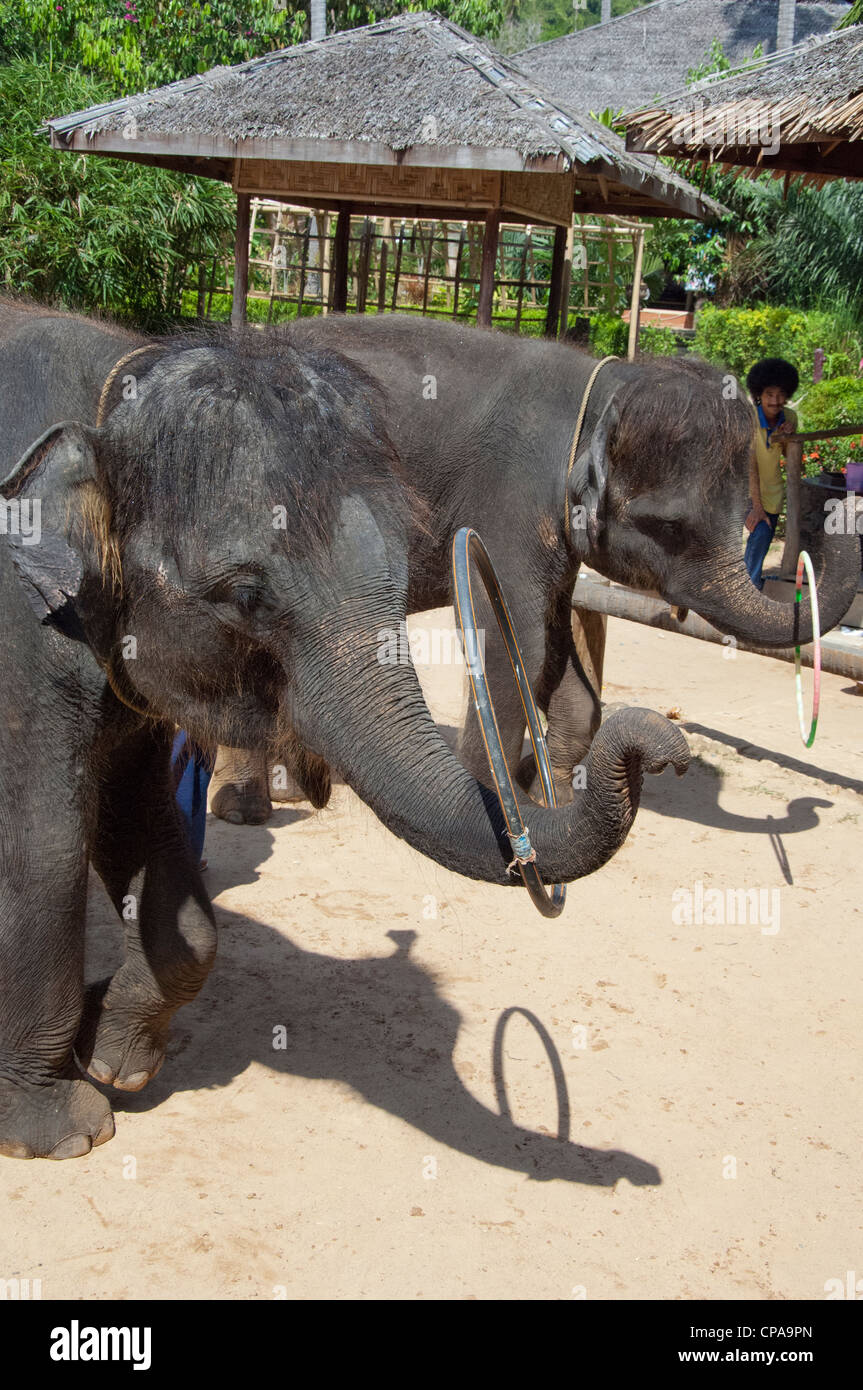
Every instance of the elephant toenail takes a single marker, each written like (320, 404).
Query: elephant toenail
(105, 1133)
(101, 1071)
(135, 1082)
(73, 1146)
(13, 1150)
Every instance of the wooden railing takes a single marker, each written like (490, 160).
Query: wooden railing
(793, 476)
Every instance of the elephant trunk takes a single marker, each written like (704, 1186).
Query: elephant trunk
(730, 601)
(370, 721)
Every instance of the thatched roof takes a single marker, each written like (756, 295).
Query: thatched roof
(798, 112)
(639, 56)
(412, 93)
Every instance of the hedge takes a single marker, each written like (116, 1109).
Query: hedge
(736, 338)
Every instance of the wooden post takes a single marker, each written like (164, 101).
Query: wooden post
(588, 634)
(486, 274)
(458, 256)
(386, 233)
(522, 274)
(552, 315)
(363, 266)
(241, 260)
(566, 282)
(793, 470)
(635, 305)
(398, 266)
(324, 250)
(427, 267)
(304, 260)
(340, 261)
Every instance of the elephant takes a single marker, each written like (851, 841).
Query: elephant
(219, 552)
(483, 423)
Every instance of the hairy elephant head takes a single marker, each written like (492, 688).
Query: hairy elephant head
(232, 545)
(660, 488)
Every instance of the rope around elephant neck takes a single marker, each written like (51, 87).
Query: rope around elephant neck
(112, 377)
(108, 667)
(576, 437)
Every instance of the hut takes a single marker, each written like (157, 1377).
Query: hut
(629, 61)
(412, 117)
(799, 112)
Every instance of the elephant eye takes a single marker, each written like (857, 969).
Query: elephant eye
(671, 535)
(245, 597)
(243, 593)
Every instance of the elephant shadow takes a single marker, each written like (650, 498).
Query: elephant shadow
(695, 798)
(379, 1024)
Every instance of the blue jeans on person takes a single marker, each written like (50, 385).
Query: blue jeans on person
(758, 545)
(192, 772)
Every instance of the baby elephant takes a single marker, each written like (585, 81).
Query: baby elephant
(220, 554)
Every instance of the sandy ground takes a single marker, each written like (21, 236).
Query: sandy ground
(403, 1143)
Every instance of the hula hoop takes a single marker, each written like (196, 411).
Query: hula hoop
(467, 545)
(803, 561)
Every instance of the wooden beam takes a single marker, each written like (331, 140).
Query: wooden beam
(340, 261)
(588, 635)
(486, 274)
(241, 260)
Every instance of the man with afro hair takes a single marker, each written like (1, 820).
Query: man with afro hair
(771, 383)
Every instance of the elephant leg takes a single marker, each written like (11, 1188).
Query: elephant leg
(141, 853)
(567, 697)
(528, 620)
(240, 788)
(574, 715)
(46, 1109)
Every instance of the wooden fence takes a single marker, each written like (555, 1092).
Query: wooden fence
(432, 267)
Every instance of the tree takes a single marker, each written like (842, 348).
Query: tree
(137, 44)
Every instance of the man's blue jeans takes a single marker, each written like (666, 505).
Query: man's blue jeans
(193, 770)
(758, 545)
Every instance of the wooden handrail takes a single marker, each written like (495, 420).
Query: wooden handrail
(812, 435)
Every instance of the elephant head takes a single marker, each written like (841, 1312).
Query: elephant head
(662, 484)
(231, 545)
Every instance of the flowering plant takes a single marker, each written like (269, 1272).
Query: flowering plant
(832, 455)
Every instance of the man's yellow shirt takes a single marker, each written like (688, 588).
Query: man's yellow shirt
(770, 478)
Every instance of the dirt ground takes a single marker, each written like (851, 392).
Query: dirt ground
(401, 1139)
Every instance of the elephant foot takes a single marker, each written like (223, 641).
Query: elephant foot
(241, 804)
(121, 1042)
(239, 789)
(528, 779)
(63, 1119)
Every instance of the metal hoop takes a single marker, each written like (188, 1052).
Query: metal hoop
(467, 546)
(803, 561)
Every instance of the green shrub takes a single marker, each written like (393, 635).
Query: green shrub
(825, 406)
(736, 338)
(829, 404)
(656, 340)
(94, 233)
(609, 335)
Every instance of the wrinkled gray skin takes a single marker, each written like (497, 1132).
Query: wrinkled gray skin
(483, 423)
(159, 525)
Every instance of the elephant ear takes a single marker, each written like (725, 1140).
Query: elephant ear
(597, 471)
(44, 497)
